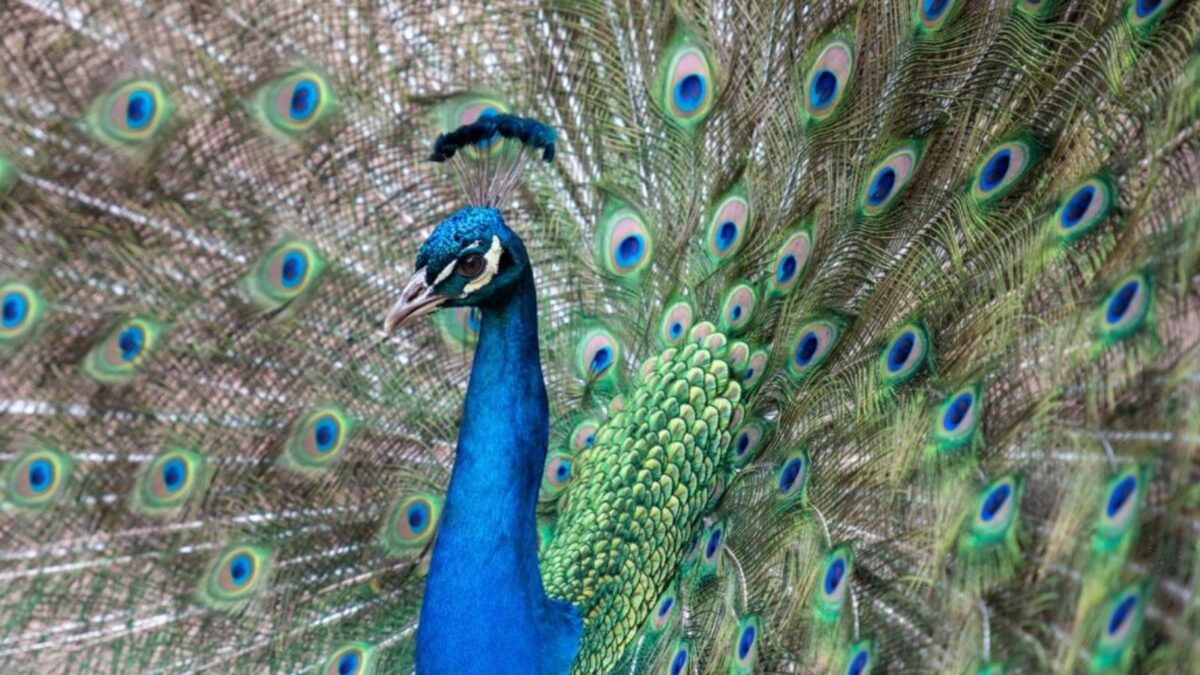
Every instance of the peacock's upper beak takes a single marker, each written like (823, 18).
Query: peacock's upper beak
(417, 300)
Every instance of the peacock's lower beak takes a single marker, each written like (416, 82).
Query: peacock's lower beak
(417, 300)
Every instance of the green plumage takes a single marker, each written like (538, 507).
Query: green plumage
(641, 490)
(927, 276)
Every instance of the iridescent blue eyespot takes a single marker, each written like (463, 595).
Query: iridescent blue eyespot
(174, 474)
(1145, 8)
(833, 576)
(790, 474)
(997, 511)
(686, 89)
(958, 418)
(958, 410)
(859, 665)
(16, 307)
(714, 542)
(235, 574)
(679, 662)
(747, 641)
(240, 569)
(1119, 305)
(881, 187)
(823, 89)
(1145, 13)
(305, 96)
(745, 646)
(130, 113)
(293, 268)
(139, 109)
(20, 304)
(933, 15)
(352, 659)
(995, 170)
(325, 433)
(827, 78)
(596, 354)
(1121, 620)
(1077, 206)
(1126, 307)
(790, 261)
(907, 351)
(1120, 495)
(995, 501)
(900, 351)
(418, 518)
(130, 342)
(41, 475)
(1002, 168)
(689, 93)
(934, 8)
(1121, 614)
(411, 523)
(859, 658)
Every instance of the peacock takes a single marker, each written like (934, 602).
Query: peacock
(600, 336)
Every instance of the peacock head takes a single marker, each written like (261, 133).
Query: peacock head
(472, 259)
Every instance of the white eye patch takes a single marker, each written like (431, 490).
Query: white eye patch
(492, 261)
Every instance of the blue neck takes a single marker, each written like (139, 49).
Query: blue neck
(484, 609)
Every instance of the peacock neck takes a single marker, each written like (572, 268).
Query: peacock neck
(484, 602)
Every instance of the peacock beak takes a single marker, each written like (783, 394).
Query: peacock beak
(417, 300)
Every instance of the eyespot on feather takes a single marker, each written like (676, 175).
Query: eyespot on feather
(812, 345)
(729, 225)
(1125, 309)
(625, 245)
(828, 79)
(21, 309)
(933, 15)
(745, 645)
(356, 658)
(791, 259)
(1002, 169)
(1085, 206)
(284, 273)
(995, 515)
(957, 419)
(860, 658)
(665, 610)
(131, 113)
(676, 322)
(560, 469)
(887, 181)
(169, 481)
(904, 354)
(36, 478)
(295, 103)
(318, 438)
(1143, 14)
(834, 583)
(412, 523)
(118, 357)
(737, 309)
(1118, 623)
(687, 87)
(1120, 507)
(792, 477)
(235, 575)
(597, 355)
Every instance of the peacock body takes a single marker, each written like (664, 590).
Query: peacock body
(828, 336)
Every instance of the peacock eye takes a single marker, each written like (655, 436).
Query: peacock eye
(470, 266)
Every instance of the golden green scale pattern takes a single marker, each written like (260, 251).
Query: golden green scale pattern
(646, 483)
